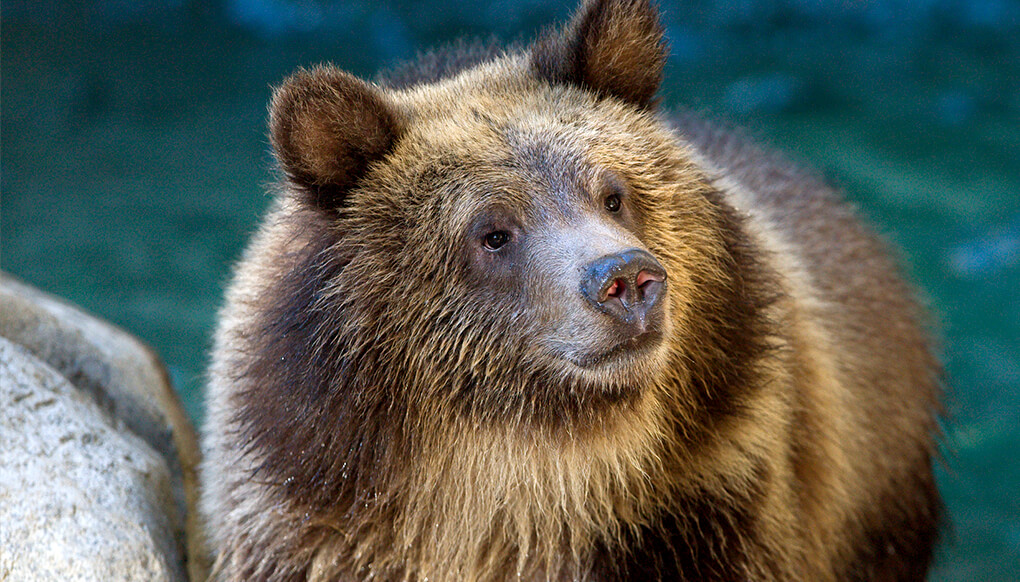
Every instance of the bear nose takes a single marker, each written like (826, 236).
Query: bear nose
(627, 286)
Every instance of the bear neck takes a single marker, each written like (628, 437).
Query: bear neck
(489, 502)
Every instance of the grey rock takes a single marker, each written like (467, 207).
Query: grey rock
(80, 499)
(124, 380)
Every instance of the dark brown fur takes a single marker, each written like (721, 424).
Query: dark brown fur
(391, 401)
(614, 49)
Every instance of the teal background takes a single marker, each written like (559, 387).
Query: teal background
(133, 164)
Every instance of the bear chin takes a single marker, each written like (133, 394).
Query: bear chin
(628, 354)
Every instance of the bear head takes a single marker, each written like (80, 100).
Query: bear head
(519, 244)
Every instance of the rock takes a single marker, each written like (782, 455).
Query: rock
(79, 498)
(93, 430)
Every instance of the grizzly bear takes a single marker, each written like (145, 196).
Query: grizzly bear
(509, 320)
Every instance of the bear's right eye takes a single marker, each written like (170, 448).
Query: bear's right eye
(496, 239)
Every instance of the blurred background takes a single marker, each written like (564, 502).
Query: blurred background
(134, 160)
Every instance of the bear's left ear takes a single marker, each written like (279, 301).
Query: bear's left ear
(613, 47)
(327, 127)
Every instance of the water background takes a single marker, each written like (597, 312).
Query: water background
(133, 160)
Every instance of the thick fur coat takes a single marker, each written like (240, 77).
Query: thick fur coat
(421, 372)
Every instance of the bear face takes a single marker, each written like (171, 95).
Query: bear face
(547, 223)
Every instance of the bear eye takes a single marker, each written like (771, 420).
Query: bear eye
(496, 239)
(613, 203)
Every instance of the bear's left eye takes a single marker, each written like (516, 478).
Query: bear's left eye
(613, 203)
(495, 239)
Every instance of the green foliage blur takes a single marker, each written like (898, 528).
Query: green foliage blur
(134, 163)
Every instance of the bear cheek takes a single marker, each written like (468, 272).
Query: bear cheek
(494, 275)
(551, 286)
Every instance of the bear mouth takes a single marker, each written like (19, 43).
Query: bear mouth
(627, 349)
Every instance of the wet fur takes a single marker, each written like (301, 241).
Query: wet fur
(363, 422)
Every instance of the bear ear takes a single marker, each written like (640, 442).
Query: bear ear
(614, 47)
(326, 127)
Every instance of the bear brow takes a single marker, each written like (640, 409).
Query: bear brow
(550, 162)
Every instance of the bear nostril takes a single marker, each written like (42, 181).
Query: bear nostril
(617, 289)
(646, 277)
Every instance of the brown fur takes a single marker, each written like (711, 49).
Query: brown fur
(389, 402)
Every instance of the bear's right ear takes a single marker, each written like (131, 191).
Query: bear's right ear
(327, 126)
